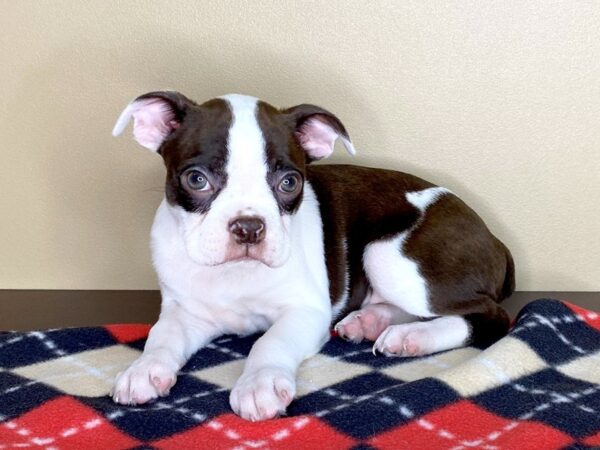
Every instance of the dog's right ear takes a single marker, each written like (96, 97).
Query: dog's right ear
(155, 116)
(316, 130)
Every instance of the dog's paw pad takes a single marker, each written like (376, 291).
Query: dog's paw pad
(350, 327)
(367, 323)
(263, 394)
(374, 321)
(163, 384)
(146, 379)
(412, 339)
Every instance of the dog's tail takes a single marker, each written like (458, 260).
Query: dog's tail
(508, 287)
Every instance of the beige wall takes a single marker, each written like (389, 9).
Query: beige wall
(499, 101)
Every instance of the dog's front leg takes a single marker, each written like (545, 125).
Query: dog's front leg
(267, 385)
(172, 340)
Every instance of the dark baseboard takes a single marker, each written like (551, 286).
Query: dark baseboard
(42, 309)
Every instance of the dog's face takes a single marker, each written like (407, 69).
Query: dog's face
(235, 169)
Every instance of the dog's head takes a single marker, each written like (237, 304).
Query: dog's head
(235, 168)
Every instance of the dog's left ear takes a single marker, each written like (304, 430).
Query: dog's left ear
(317, 130)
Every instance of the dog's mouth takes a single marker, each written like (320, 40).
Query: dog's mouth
(272, 253)
(246, 253)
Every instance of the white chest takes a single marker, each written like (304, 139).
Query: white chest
(243, 297)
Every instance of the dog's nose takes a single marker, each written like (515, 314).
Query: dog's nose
(248, 230)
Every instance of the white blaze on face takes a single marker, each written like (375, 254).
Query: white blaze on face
(246, 193)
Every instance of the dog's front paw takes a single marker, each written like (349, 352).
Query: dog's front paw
(263, 394)
(146, 379)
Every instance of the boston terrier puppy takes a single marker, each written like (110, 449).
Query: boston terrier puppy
(250, 237)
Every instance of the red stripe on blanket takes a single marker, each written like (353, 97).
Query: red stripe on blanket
(592, 318)
(66, 424)
(125, 333)
(230, 431)
(465, 425)
(593, 440)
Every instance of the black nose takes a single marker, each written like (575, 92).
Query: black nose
(248, 230)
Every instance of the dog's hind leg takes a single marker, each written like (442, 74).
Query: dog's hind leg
(442, 333)
(370, 321)
(449, 272)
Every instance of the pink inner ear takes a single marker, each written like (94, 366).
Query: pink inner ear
(153, 121)
(317, 138)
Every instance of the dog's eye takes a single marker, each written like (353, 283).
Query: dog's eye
(289, 184)
(197, 181)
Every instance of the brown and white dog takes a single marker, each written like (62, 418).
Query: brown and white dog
(250, 238)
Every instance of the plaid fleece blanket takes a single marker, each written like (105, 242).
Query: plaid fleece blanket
(538, 388)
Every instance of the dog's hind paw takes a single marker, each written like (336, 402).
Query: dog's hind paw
(368, 322)
(412, 339)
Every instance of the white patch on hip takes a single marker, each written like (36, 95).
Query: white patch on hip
(246, 193)
(422, 199)
(394, 277)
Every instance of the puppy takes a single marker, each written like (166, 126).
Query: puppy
(251, 238)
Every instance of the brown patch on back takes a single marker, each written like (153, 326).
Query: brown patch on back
(359, 205)
(466, 268)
